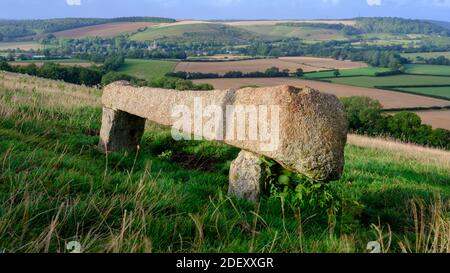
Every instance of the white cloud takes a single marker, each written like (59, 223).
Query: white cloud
(374, 2)
(73, 2)
(331, 2)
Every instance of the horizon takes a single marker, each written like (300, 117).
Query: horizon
(228, 10)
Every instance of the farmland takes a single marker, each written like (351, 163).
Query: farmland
(20, 45)
(368, 71)
(292, 63)
(282, 31)
(104, 30)
(389, 99)
(145, 202)
(192, 32)
(426, 55)
(147, 69)
(427, 69)
(438, 119)
(432, 91)
(68, 62)
(397, 80)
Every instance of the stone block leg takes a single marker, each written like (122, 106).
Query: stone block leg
(246, 177)
(120, 131)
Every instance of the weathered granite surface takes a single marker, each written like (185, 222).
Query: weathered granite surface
(312, 131)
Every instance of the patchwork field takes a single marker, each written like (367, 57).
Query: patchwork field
(367, 71)
(389, 99)
(438, 119)
(147, 69)
(282, 31)
(426, 55)
(433, 91)
(103, 30)
(275, 22)
(20, 45)
(326, 63)
(428, 69)
(308, 64)
(398, 80)
(67, 62)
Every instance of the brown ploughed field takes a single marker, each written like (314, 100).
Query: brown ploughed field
(438, 119)
(103, 30)
(325, 63)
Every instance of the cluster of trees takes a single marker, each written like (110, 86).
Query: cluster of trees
(366, 116)
(399, 26)
(78, 75)
(272, 72)
(178, 84)
(441, 60)
(96, 76)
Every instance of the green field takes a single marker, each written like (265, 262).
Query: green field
(61, 61)
(309, 33)
(56, 187)
(367, 71)
(20, 45)
(433, 91)
(426, 55)
(195, 33)
(147, 69)
(428, 69)
(397, 80)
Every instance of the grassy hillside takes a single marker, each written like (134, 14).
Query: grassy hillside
(195, 32)
(428, 69)
(284, 31)
(367, 71)
(147, 69)
(55, 187)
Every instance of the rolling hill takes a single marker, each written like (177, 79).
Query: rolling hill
(55, 186)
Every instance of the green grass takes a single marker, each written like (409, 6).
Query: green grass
(72, 60)
(55, 187)
(433, 91)
(147, 69)
(280, 31)
(194, 33)
(397, 80)
(367, 71)
(21, 45)
(428, 69)
(426, 55)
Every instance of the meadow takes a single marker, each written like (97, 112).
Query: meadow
(443, 92)
(147, 69)
(55, 187)
(20, 45)
(397, 80)
(427, 69)
(282, 31)
(366, 71)
(426, 55)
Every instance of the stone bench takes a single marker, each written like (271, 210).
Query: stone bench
(302, 129)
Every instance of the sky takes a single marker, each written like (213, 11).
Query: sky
(226, 9)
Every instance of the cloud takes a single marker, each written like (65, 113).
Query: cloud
(374, 2)
(331, 2)
(73, 2)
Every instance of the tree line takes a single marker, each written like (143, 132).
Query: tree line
(366, 116)
(272, 72)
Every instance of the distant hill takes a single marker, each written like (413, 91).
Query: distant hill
(14, 30)
(395, 25)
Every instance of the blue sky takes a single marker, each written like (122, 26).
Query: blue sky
(227, 9)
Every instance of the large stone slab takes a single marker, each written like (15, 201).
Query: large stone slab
(312, 129)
